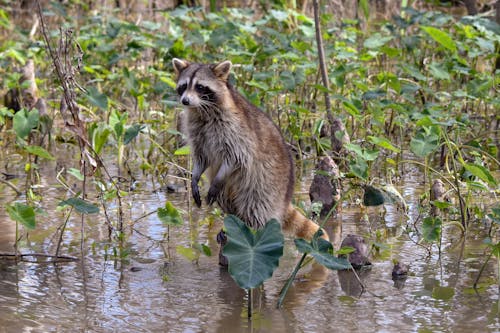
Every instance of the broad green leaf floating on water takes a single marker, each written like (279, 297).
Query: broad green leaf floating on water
(253, 255)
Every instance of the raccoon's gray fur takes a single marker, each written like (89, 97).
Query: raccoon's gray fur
(247, 162)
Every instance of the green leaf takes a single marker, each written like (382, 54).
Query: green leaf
(132, 132)
(23, 214)
(39, 151)
(252, 256)
(365, 154)
(97, 99)
(439, 71)
(365, 6)
(424, 142)
(76, 173)
(431, 229)
(81, 206)
(203, 249)
(359, 168)
(376, 41)
(24, 121)
(322, 252)
(100, 137)
(441, 204)
(441, 37)
(384, 143)
(187, 252)
(170, 215)
(480, 172)
(185, 150)
(373, 196)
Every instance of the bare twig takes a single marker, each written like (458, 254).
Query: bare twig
(12, 186)
(322, 63)
(40, 255)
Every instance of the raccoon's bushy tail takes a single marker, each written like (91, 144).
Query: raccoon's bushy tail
(299, 225)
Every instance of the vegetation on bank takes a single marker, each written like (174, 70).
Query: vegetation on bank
(419, 89)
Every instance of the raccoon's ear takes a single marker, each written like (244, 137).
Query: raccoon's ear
(222, 69)
(179, 65)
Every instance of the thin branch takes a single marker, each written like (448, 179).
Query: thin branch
(322, 62)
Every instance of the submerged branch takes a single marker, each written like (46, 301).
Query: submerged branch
(38, 255)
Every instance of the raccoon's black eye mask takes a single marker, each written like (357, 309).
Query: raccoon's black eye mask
(205, 92)
(181, 89)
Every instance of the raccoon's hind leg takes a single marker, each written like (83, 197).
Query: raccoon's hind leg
(300, 226)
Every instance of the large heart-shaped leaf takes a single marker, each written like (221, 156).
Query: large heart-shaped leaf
(322, 252)
(252, 255)
(24, 121)
(425, 141)
(431, 229)
(23, 214)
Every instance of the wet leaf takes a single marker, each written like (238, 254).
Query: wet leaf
(322, 251)
(39, 151)
(431, 229)
(394, 196)
(373, 196)
(253, 256)
(23, 214)
(81, 206)
(170, 215)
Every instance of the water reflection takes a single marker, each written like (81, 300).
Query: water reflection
(154, 289)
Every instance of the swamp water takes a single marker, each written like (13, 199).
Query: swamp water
(154, 289)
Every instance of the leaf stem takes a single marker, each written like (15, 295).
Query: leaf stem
(289, 282)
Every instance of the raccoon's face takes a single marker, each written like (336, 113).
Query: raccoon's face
(201, 85)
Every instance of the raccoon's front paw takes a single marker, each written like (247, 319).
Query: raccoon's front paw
(213, 193)
(196, 194)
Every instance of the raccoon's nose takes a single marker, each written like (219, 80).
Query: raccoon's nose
(185, 101)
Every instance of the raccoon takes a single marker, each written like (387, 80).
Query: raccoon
(241, 150)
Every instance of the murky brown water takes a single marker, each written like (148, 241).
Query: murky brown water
(154, 289)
